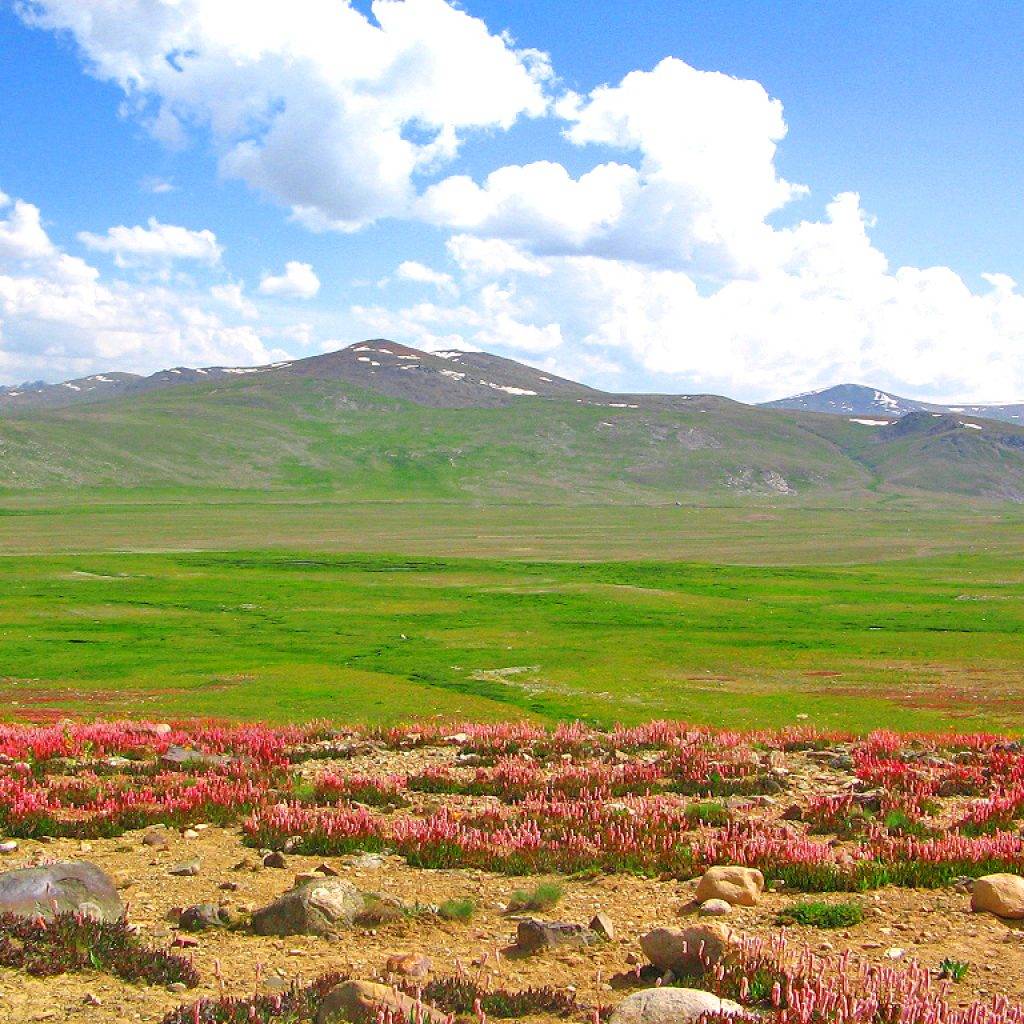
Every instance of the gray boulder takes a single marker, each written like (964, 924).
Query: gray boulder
(670, 1006)
(533, 935)
(67, 887)
(319, 907)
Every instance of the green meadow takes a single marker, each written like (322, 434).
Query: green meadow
(918, 635)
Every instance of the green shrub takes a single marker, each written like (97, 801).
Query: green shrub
(542, 897)
(818, 914)
(456, 910)
(707, 812)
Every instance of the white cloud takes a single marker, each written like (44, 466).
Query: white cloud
(22, 236)
(410, 270)
(704, 184)
(368, 105)
(60, 318)
(157, 186)
(156, 242)
(830, 310)
(299, 281)
(233, 296)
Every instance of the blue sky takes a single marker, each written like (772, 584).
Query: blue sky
(676, 229)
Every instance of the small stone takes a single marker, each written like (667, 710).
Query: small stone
(177, 987)
(8, 846)
(89, 999)
(409, 965)
(187, 869)
(603, 925)
(715, 908)
(190, 833)
(327, 871)
(275, 859)
(533, 935)
(201, 916)
(895, 953)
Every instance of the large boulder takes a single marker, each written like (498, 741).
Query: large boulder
(358, 1002)
(313, 908)
(670, 1006)
(1002, 895)
(688, 952)
(742, 887)
(66, 887)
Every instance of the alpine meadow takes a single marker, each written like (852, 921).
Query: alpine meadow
(511, 512)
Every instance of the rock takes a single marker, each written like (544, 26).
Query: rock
(369, 862)
(9, 846)
(69, 886)
(688, 951)
(602, 924)
(275, 859)
(409, 965)
(736, 885)
(155, 841)
(1002, 895)
(533, 935)
(187, 869)
(715, 908)
(326, 870)
(671, 1006)
(315, 908)
(179, 757)
(161, 729)
(794, 812)
(177, 987)
(358, 1002)
(201, 916)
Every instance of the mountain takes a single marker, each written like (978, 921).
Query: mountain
(442, 379)
(379, 420)
(857, 400)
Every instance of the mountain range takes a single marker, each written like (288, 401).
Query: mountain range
(382, 420)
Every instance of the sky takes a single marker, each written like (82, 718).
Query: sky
(753, 199)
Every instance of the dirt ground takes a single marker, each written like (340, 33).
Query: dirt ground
(927, 926)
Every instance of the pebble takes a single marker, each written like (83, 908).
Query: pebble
(8, 846)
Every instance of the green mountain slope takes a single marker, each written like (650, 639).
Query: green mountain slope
(286, 433)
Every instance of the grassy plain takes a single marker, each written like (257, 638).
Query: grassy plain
(918, 635)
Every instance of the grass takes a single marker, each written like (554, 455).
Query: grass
(954, 970)
(542, 896)
(818, 914)
(285, 636)
(456, 910)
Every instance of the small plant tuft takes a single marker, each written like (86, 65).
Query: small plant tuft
(954, 970)
(541, 897)
(456, 910)
(819, 914)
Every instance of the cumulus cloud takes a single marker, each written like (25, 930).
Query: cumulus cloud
(410, 270)
(299, 281)
(156, 242)
(368, 103)
(233, 296)
(22, 236)
(59, 317)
